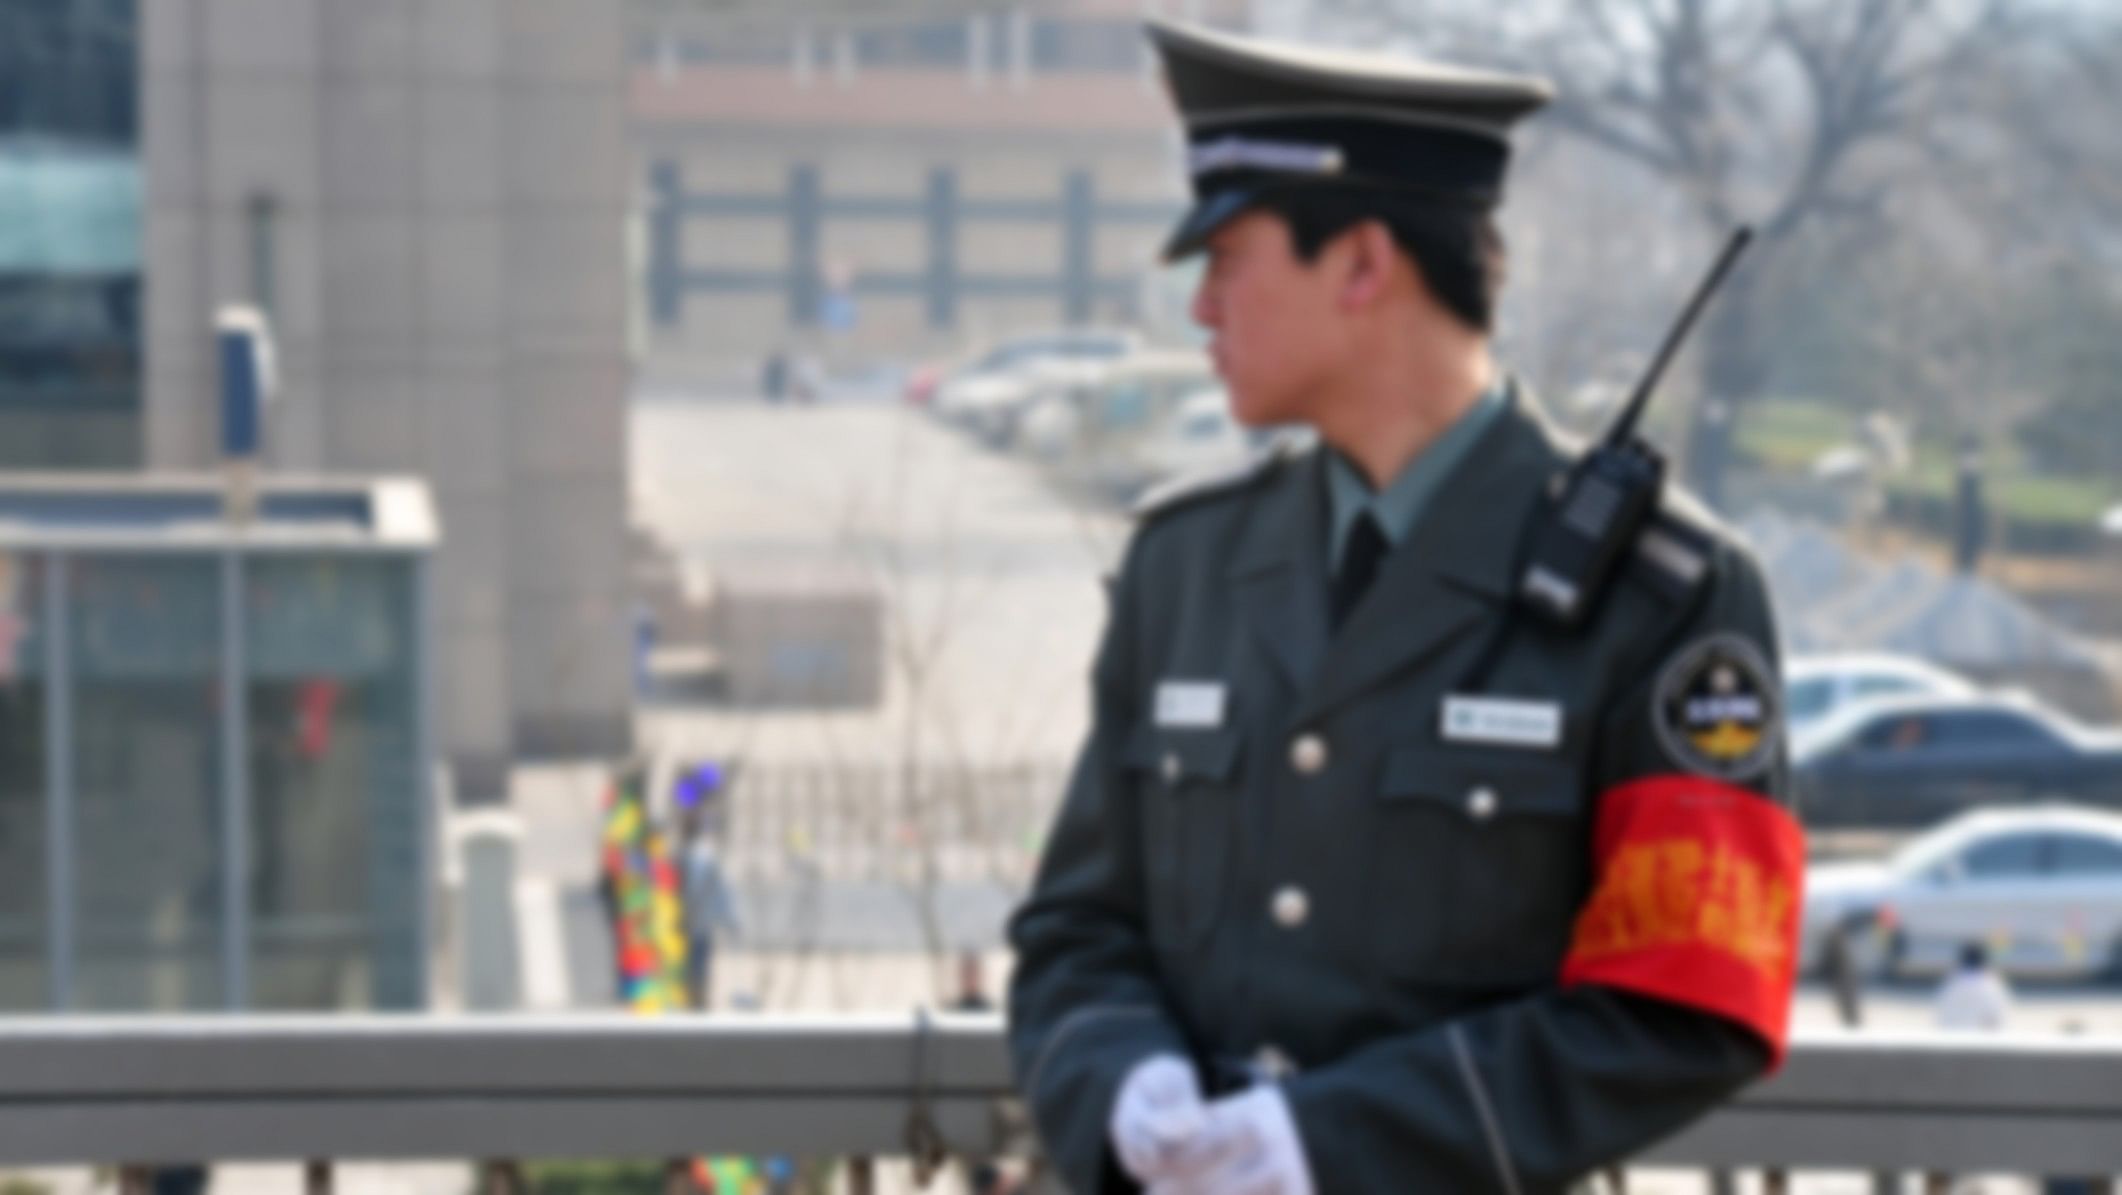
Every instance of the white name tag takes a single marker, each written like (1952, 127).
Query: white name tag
(1186, 704)
(1503, 722)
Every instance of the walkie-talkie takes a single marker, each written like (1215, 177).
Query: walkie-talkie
(1596, 509)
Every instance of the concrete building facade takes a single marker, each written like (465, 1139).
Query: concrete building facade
(429, 198)
(887, 185)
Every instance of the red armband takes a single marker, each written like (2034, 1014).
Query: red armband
(1697, 902)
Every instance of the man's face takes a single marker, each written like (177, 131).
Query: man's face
(1277, 328)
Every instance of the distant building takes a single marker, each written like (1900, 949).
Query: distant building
(887, 183)
(430, 200)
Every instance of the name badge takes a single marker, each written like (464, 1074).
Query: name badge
(1190, 705)
(1503, 722)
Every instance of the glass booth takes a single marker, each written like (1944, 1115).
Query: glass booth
(214, 747)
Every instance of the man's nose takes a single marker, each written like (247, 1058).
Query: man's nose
(1205, 310)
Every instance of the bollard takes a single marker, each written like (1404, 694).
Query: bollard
(490, 965)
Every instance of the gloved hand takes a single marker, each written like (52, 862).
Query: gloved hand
(1157, 1119)
(1250, 1147)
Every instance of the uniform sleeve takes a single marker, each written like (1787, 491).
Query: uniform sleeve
(1084, 1003)
(1639, 1035)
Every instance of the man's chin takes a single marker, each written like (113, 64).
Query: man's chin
(1253, 411)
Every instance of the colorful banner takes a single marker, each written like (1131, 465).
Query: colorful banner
(648, 908)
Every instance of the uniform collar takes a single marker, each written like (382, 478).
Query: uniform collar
(1400, 505)
(1456, 566)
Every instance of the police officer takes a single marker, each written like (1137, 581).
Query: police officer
(1363, 883)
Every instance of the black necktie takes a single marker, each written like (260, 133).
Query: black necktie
(1359, 565)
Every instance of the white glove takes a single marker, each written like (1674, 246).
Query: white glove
(1252, 1148)
(1158, 1118)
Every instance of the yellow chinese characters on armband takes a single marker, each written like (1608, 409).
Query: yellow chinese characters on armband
(1697, 901)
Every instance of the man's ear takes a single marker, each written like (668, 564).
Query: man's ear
(1371, 257)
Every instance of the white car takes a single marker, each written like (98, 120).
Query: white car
(1815, 688)
(1199, 436)
(2040, 886)
(992, 378)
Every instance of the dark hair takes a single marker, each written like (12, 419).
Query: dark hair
(1974, 956)
(1457, 246)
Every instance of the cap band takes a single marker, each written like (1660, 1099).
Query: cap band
(1246, 153)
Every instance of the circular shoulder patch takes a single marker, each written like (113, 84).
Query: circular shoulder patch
(1719, 711)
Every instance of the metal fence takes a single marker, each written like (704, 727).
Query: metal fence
(872, 857)
(129, 1091)
(872, 822)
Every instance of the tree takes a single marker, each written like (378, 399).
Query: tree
(1759, 111)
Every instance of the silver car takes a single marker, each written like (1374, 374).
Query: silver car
(2041, 886)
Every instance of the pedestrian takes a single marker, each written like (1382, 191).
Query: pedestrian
(972, 985)
(983, 1175)
(774, 376)
(1974, 997)
(708, 905)
(1372, 876)
(1842, 975)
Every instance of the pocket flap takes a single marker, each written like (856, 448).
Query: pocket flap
(1484, 781)
(1192, 754)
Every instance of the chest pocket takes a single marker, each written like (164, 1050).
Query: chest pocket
(1478, 865)
(1186, 780)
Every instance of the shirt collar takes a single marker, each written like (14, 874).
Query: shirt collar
(1402, 502)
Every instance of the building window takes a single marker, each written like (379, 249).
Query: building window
(70, 234)
(1087, 47)
(928, 45)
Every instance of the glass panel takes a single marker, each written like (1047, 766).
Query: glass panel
(335, 817)
(70, 232)
(2014, 857)
(1908, 733)
(24, 909)
(2084, 855)
(145, 634)
(1809, 698)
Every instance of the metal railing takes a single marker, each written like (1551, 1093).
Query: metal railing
(82, 1090)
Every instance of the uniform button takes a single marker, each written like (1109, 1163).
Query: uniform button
(1481, 804)
(1291, 906)
(1169, 766)
(1308, 754)
(1272, 1065)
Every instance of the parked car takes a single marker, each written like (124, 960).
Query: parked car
(1914, 761)
(2040, 886)
(995, 410)
(1200, 436)
(1091, 431)
(952, 392)
(1203, 437)
(1815, 687)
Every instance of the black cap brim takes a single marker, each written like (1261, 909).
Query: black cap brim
(1209, 213)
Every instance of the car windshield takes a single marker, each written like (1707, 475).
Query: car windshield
(1810, 698)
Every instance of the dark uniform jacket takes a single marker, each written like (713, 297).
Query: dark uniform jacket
(1316, 883)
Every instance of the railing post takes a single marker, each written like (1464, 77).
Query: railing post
(317, 1177)
(862, 1176)
(1723, 1182)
